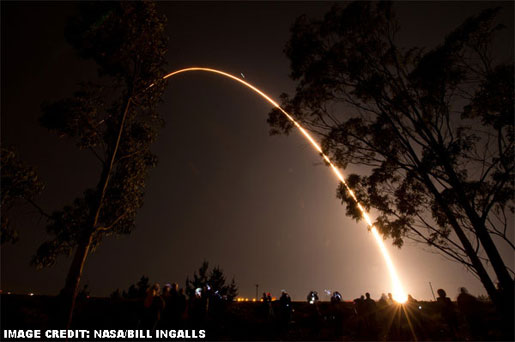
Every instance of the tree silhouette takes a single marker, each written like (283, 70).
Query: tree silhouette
(138, 290)
(200, 279)
(20, 184)
(432, 130)
(115, 119)
(213, 282)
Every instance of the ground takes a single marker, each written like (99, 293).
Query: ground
(254, 321)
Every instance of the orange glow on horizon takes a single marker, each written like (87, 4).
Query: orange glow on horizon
(397, 292)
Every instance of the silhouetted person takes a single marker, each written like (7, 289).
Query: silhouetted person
(286, 309)
(285, 299)
(314, 311)
(369, 302)
(176, 305)
(383, 300)
(359, 305)
(166, 317)
(469, 307)
(264, 304)
(154, 305)
(180, 308)
(199, 305)
(336, 297)
(370, 321)
(390, 300)
(337, 313)
(359, 309)
(312, 297)
(267, 306)
(447, 312)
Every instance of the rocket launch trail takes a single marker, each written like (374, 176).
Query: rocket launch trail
(397, 289)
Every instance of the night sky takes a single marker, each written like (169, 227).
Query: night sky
(261, 207)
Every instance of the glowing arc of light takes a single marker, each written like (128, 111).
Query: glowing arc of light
(398, 291)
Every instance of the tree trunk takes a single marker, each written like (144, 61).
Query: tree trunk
(491, 250)
(71, 287)
(503, 299)
(489, 246)
(474, 259)
(469, 250)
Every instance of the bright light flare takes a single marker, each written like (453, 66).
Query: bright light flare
(398, 292)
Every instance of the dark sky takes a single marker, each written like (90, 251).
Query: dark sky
(262, 208)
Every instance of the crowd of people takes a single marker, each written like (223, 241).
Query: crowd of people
(166, 308)
(467, 308)
(410, 312)
(406, 319)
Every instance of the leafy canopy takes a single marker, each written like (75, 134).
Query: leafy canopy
(115, 119)
(432, 130)
(20, 183)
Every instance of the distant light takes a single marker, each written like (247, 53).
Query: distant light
(31, 293)
(253, 299)
(420, 307)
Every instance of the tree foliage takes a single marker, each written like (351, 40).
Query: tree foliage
(128, 43)
(20, 183)
(432, 129)
(138, 290)
(114, 118)
(212, 281)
